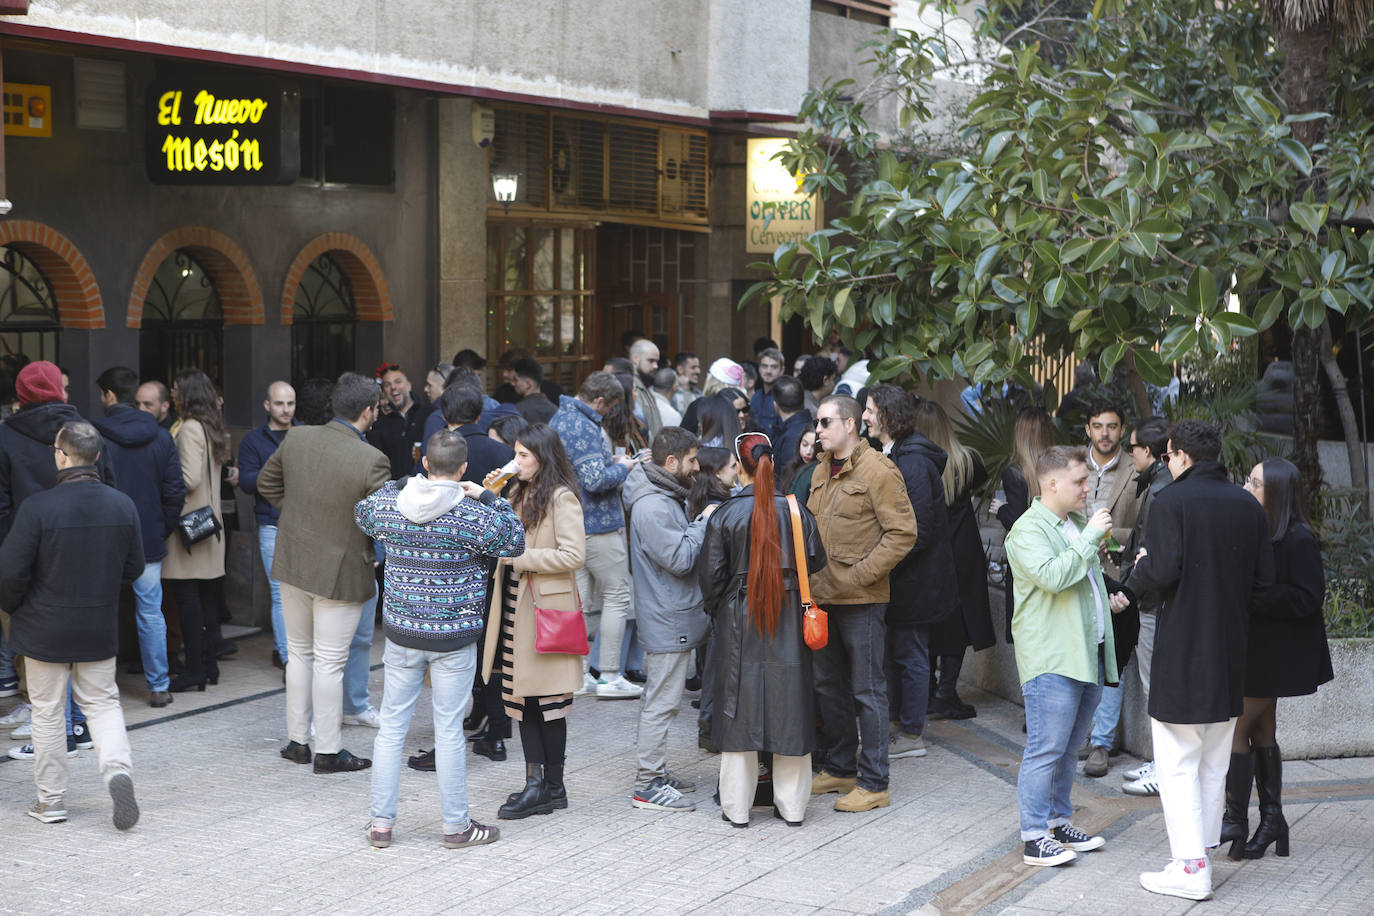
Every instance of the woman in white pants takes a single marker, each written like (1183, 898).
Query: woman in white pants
(760, 685)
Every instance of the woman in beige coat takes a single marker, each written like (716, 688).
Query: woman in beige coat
(537, 687)
(203, 447)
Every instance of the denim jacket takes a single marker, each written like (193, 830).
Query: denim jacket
(579, 426)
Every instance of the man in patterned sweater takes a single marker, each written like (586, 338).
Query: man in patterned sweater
(438, 533)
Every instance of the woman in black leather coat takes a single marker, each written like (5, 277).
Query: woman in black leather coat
(761, 686)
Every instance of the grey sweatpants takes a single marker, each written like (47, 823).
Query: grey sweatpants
(666, 674)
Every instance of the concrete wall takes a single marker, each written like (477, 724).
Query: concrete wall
(655, 56)
(462, 231)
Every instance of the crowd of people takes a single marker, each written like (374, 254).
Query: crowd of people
(665, 529)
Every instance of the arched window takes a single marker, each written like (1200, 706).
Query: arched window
(183, 323)
(323, 323)
(29, 321)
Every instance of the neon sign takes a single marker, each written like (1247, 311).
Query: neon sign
(222, 130)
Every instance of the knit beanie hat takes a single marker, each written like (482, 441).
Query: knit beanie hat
(39, 382)
(727, 371)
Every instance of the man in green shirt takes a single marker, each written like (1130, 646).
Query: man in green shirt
(1064, 650)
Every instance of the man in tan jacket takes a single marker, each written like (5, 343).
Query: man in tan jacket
(867, 525)
(324, 563)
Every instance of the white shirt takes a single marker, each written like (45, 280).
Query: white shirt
(1071, 532)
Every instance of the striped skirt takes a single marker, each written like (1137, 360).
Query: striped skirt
(550, 708)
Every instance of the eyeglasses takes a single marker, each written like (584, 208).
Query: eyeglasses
(1255, 483)
(1136, 445)
(60, 451)
(1169, 455)
(824, 422)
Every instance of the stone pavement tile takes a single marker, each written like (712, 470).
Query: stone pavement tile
(1342, 767)
(746, 905)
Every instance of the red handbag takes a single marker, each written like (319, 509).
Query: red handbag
(559, 632)
(815, 622)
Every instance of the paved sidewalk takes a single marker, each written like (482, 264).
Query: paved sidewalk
(229, 827)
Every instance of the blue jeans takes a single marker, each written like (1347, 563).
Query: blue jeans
(850, 681)
(1106, 718)
(152, 626)
(359, 664)
(1059, 712)
(908, 677)
(74, 714)
(450, 675)
(267, 546)
(7, 672)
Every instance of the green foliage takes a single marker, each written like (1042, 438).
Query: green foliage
(1232, 410)
(1348, 554)
(990, 434)
(1111, 207)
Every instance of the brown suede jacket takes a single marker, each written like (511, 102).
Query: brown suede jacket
(866, 525)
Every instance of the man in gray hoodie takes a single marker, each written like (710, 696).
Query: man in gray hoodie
(664, 544)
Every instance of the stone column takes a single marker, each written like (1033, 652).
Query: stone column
(462, 232)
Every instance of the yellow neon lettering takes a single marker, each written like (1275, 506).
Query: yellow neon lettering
(202, 154)
(231, 152)
(167, 108)
(252, 155)
(178, 150)
(217, 156)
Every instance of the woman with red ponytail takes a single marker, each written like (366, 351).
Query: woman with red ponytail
(760, 680)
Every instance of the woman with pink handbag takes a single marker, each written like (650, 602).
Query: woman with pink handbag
(535, 655)
(760, 681)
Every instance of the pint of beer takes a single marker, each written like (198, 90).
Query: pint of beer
(503, 476)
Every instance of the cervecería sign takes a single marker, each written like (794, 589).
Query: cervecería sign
(222, 130)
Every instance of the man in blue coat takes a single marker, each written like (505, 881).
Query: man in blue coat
(254, 451)
(148, 471)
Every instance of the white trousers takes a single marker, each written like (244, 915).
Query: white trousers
(739, 777)
(318, 633)
(1190, 764)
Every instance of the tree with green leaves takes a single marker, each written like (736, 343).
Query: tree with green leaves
(1121, 187)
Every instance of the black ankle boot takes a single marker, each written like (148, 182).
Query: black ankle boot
(1272, 826)
(558, 793)
(534, 799)
(489, 744)
(1235, 820)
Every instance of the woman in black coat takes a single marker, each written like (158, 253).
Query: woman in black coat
(1286, 656)
(963, 474)
(761, 684)
(924, 585)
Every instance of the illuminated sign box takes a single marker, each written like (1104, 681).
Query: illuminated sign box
(222, 130)
(778, 210)
(27, 110)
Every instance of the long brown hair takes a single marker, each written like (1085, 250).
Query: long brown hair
(1032, 434)
(555, 471)
(197, 400)
(764, 582)
(933, 423)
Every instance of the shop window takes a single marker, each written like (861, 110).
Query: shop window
(183, 322)
(540, 284)
(29, 320)
(875, 12)
(347, 135)
(323, 323)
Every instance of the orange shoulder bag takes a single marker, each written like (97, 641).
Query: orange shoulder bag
(815, 623)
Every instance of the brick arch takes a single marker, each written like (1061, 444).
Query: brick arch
(371, 293)
(240, 296)
(79, 304)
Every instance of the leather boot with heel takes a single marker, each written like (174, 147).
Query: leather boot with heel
(1269, 784)
(489, 743)
(534, 799)
(1235, 820)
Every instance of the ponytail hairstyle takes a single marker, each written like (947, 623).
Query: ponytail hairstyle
(764, 583)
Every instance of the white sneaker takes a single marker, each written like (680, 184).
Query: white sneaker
(618, 689)
(369, 717)
(19, 715)
(1145, 769)
(1144, 787)
(23, 731)
(588, 686)
(1176, 881)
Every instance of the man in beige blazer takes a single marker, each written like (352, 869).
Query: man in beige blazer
(1111, 486)
(324, 563)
